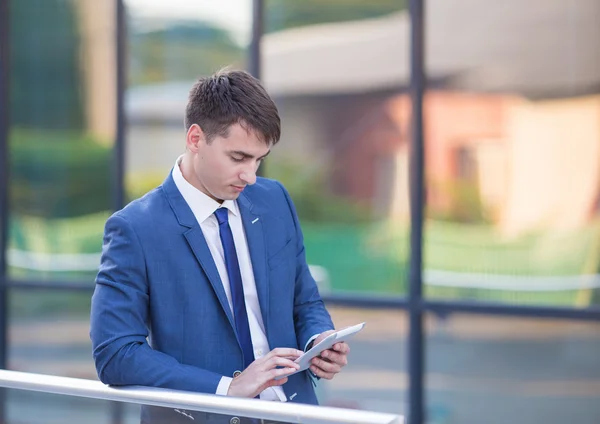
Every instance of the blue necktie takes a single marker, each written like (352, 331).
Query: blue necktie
(237, 289)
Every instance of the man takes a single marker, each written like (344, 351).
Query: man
(210, 268)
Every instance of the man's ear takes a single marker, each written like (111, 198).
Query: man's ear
(194, 137)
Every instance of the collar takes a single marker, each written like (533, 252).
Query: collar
(202, 205)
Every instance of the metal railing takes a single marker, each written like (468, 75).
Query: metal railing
(252, 408)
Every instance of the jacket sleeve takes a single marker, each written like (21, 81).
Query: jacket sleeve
(310, 316)
(119, 321)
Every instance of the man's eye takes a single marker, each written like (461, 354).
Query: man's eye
(236, 159)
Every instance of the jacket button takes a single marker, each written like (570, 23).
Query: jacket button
(234, 420)
(235, 374)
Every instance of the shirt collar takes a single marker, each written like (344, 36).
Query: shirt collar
(202, 205)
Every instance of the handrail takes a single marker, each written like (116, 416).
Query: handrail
(252, 408)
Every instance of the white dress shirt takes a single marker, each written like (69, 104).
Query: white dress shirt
(203, 208)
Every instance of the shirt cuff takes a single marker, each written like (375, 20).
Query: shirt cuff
(223, 386)
(312, 339)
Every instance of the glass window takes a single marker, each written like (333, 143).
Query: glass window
(26, 407)
(48, 333)
(339, 73)
(512, 135)
(496, 370)
(62, 129)
(375, 378)
(171, 44)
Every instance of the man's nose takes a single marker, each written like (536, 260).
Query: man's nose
(249, 177)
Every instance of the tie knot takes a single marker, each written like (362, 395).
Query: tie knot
(222, 215)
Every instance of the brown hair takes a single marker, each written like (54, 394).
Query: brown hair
(232, 97)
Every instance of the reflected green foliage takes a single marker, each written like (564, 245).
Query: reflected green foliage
(371, 257)
(283, 14)
(45, 67)
(59, 174)
(82, 234)
(51, 305)
(314, 202)
(138, 184)
(78, 235)
(481, 249)
(464, 203)
(183, 51)
(359, 257)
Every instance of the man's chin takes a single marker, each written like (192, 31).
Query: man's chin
(230, 196)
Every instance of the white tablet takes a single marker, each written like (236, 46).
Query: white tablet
(326, 343)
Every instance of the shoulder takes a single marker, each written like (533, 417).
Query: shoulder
(142, 209)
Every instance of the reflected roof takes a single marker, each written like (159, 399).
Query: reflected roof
(539, 48)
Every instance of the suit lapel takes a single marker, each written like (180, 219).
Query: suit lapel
(195, 239)
(253, 227)
(197, 242)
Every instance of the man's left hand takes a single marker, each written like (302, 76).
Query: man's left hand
(331, 361)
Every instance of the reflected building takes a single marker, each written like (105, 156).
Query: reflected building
(512, 111)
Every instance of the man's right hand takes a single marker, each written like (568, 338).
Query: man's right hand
(261, 373)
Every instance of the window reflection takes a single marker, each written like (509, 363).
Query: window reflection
(375, 378)
(171, 44)
(336, 73)
(513, 150)
(498, 370)
(62, 128)
(49, 333)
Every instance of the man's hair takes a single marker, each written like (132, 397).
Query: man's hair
(232, 97)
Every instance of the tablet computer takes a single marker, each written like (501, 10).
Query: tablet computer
(339, 336)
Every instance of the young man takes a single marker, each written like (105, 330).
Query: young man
(210, 267)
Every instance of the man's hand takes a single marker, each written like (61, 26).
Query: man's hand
(331, 361)
(261, 373)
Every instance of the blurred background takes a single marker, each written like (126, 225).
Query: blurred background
(505, 304)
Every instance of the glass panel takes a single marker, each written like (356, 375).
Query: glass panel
(62, 128)
(513, 152)
(339, 72)
(171, 44)
(375, 378)
(25, 407)
(498, 370)
(49, 333)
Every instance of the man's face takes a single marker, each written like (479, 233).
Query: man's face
(224, 167)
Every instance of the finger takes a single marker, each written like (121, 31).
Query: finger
(280, 362)
(341, 347)
(329, 367)
(338, 358)
(322, 336)
(321, 373)
(280, 372)
(285, 352)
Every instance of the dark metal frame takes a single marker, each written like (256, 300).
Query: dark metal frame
(118, 187)
(255, 37)
(416, 338)
(4, 162)
(4, 171)
(415, 304)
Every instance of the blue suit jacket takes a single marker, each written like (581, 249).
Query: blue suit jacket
(159, 313)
